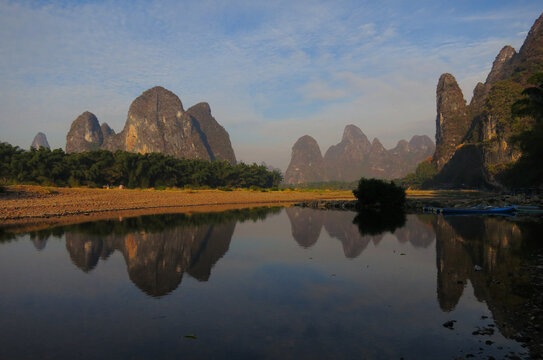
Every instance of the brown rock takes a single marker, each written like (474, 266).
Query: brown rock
(355, 157)
(420, 148)
(306, 164)
(156, 122)
(213, 133)
(452, 121)
(478, 99)
(40, 141)
(347, 161)
(530, 56)
(382, 163)
(106, 130)
(85, 134)
(501, 66)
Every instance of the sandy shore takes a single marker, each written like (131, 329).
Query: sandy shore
(27, 205)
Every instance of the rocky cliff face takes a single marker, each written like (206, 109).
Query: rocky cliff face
(382, 163)
(347, 160)
(355, 157)
(452, 121)
(307, 163)
(40, 141)
(501, 66)
(107, 132)
(530, 56)
(491, 123)
(216, 136)
(85, 134)
(501, 69)
(156, 122)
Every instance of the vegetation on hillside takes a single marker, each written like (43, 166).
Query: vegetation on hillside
(100, 168)
(527, 171)
(423, 175)
(498, 105)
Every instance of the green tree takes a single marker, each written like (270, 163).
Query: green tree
(498, 104)
(527, 171)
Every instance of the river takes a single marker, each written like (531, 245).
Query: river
(268, 283)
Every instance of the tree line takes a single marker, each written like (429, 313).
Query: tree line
(101, 168)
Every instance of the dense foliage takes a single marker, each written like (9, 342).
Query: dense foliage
(100, 167)
(527, 171)
(498, 106)
(375, 193)
(423, 175)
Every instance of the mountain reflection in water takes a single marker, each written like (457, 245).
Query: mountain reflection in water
(354, 296)
(157, 249)
(356, 231)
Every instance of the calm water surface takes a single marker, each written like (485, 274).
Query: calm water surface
(265, 284)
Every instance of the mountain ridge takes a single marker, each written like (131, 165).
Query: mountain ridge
(355, 156)
(486, 142)
(156, 122)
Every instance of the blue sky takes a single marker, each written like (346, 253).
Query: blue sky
(272, 71)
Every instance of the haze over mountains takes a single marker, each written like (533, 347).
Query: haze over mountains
(355, 156)
(40, 141)
(472, 140)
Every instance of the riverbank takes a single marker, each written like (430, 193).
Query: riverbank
(25, 205)
(416, 200)
(46, 206)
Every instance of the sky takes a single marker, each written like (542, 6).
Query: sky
(272, 71)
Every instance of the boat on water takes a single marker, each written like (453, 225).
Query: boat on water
(475, 210)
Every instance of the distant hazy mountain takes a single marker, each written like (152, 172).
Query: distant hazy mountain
(40, 141)
(355, 156)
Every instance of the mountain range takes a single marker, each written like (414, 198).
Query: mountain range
(156, 122)
(355, 156)
(472, 143)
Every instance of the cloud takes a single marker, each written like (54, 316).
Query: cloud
(320, 90)
(271, 71)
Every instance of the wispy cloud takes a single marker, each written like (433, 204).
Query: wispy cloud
(271, 71)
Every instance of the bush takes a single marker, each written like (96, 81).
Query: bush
(224, 188)
(374, 193)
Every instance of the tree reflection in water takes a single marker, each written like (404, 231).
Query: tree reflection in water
(355, 234)
(491, 253)
(157, 249)
(487, 251)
